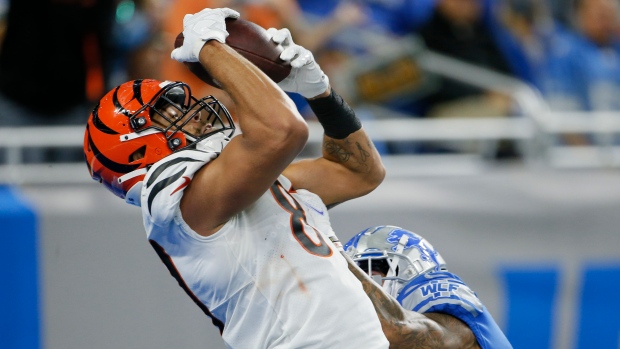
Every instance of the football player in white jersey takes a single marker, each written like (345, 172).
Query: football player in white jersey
(399, 267)
(238, 225)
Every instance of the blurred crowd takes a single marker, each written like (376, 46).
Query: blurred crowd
(56, 62)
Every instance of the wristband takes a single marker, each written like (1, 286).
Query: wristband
(335, 115)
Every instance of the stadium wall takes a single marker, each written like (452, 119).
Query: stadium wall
(539, 248)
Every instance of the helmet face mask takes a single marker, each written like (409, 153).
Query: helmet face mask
(393, 256)
(142, 121)
(174, 110)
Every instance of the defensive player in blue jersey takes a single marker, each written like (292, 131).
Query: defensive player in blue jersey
(429, 306)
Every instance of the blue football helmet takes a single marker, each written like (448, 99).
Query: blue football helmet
(393, 256)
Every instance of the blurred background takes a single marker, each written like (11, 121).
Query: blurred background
(498, 122)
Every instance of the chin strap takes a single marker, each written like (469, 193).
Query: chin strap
(132, 174)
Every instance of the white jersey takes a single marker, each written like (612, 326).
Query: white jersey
(269, 278)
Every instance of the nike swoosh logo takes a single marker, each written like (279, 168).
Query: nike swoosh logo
(317, 211)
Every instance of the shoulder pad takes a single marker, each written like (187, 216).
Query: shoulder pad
(444, 292)
(165, 181)
(439, 290)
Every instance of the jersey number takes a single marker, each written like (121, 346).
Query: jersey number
(299, 223)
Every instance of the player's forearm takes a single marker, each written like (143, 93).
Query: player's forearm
(387, 308)
(404, 329)
(357, 153)
(345, 141)
(240, 78)
(458, 334)
(250, 89)
(362, 170)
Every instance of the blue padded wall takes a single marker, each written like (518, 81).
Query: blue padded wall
(19, 291)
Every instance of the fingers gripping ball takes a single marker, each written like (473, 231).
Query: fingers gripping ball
(252, 42)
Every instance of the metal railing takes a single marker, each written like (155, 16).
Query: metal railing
(484, 132)
(536, 131)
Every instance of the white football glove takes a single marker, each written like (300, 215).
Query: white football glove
(208, 24)
(306, 77)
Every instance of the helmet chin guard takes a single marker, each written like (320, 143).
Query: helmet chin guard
(393, 256)
(142, 121)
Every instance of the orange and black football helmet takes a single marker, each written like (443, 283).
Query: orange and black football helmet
(122, 139)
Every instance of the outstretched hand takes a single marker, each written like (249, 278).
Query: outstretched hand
(306, 77)
(208, 24)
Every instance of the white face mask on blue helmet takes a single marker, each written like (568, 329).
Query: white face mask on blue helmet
(396, 255)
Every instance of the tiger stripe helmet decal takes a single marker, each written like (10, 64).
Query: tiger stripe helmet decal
(121, 140)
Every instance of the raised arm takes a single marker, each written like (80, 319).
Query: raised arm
(273, 132)
(350, 166)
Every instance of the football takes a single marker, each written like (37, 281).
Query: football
(252, 42)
